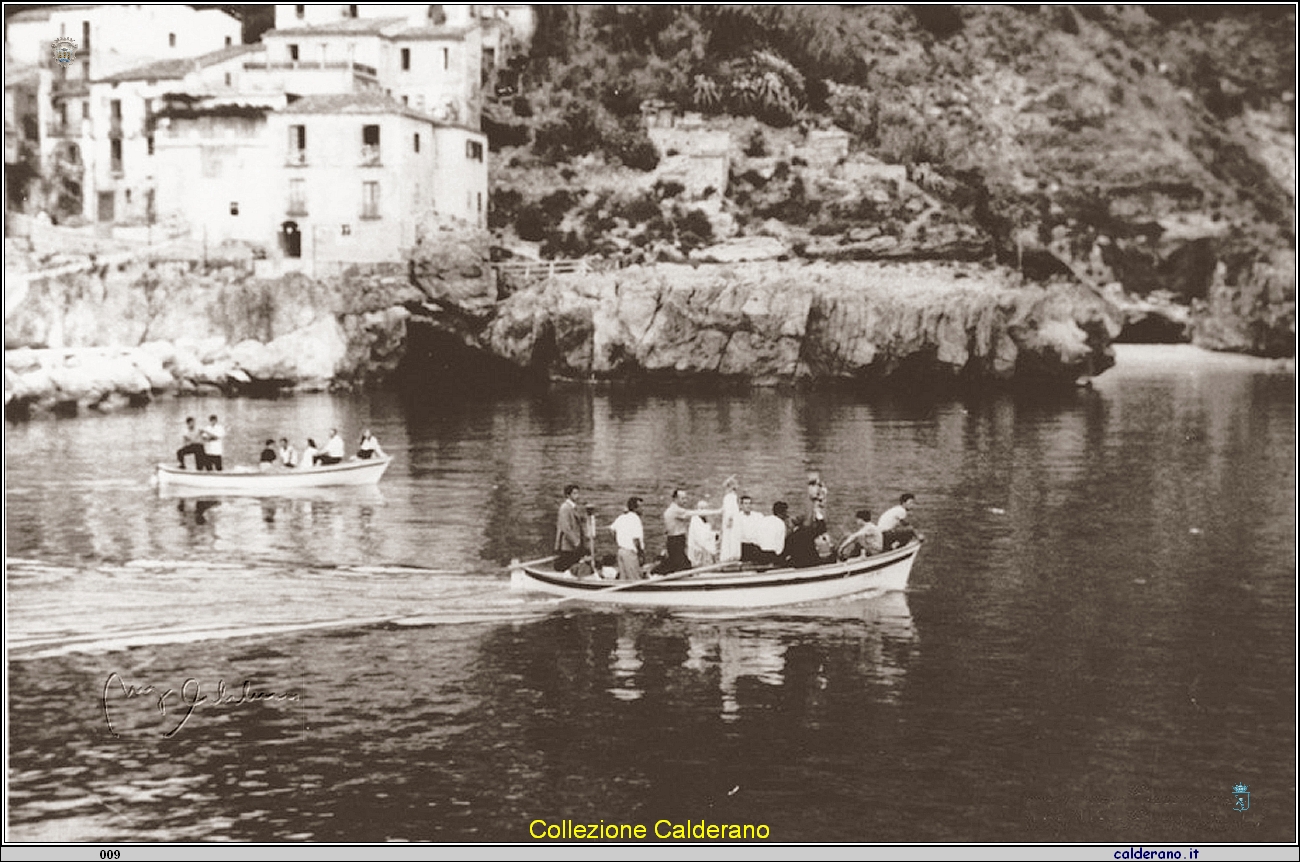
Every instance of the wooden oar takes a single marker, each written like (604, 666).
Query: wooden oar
(515, 564)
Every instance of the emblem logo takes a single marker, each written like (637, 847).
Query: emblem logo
(1242, 794)
(65, 50)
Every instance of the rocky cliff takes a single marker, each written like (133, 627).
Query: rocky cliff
(112, 335)
(787, 322)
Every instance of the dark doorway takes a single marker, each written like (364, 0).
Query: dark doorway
(290, 239)
(106, 201)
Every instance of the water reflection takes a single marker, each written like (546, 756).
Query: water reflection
(730, 651)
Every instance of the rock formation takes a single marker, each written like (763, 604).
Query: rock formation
(789, 322)
(114, 336)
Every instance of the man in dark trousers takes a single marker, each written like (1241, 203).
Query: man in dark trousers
(569, 531)
(191, 444)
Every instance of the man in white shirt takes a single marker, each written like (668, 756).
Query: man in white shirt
(212, 445)
(771, 534)
(629, 534)
(748, 523)
(334, 451)
(895, 527)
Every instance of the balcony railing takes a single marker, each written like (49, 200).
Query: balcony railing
(57, 129)
(295, 158)
(296, 208)
(370, 155)
(313, 65)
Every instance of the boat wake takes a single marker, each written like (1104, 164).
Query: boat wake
(59, 609)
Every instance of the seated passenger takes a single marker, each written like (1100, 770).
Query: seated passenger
(334, 452)
(865, 540)
(896, 525)
(369, 447)
(269, 457)
(288, 454)
(801, 550)
(309, 454)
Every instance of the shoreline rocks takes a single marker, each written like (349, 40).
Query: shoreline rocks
(790, 322)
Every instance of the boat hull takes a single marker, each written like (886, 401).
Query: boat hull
(349, 473)
(741, 588)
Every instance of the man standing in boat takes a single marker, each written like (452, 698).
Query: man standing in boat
(677, 522)
(191, 444)
(569, 532)
(212, 444)
(629, 535)
(749, 525)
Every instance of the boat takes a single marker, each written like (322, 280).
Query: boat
(729, 585)
(254, 482)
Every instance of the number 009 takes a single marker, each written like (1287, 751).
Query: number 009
(110, 854)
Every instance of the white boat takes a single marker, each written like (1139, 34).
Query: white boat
(731, 585)
(254, 482)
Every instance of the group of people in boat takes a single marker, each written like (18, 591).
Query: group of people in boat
(741, 535)
(205, 446)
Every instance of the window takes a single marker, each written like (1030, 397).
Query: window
(128, 195)
(480, 201)
(150, 140)
(229, 79)
(115, 109)
(406, 59)
(446, 58)
(115, 153)
(228, 42)
(297, 145)
(298, 197)
(370, 145)
(370, 199)
(293, 53)
(347, 230)
(171, 40)
(234, 208)
(417, 142)
(406, 100)
(474, 151)
(300, 11)
(85, 110)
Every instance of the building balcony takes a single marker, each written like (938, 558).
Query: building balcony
(311, 66)
(296, 158)
(370, 156)
(115, 169)
(58, 129)
(296, 208)
(62, 87)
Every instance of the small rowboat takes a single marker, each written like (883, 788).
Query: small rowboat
(731, 585)
(253, 482)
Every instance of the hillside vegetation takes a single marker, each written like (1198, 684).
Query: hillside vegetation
(1152, 147)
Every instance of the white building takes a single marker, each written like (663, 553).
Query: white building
(324, 182)
(109, 39)
(118, 151)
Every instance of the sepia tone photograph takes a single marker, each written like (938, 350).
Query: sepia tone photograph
(567, 425)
